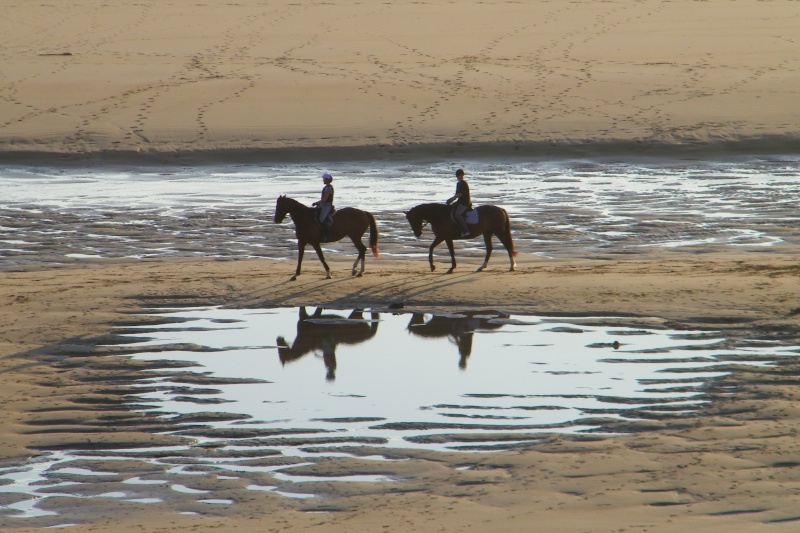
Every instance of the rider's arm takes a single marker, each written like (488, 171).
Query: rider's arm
(326, 197)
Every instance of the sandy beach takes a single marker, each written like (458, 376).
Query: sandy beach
(731, 466)
(539, 77)
(124, 83)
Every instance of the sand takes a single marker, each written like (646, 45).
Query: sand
(733, 465)
(83, 82)
(542, 77)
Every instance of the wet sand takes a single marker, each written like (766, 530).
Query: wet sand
(732, 465)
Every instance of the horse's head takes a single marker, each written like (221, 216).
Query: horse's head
(415, 221)
(281, 209)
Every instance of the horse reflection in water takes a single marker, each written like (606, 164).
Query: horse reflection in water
(459, 329)
(322, 333)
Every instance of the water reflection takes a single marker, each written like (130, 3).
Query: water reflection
(322, 332)
(459, 329)
(248, 415)
(512, 374)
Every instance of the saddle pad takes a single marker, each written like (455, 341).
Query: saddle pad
(471, 216)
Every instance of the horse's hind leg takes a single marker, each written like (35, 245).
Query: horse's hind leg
(487, 239)
(510, 249)
(359, 259)
(322, 260)
(362, 252)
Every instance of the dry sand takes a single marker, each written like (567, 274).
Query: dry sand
(538, 76)
(311, 80)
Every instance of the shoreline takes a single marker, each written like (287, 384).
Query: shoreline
(625, 150)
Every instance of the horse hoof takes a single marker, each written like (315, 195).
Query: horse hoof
(293, 278)
(359, 275)
(328, 276)
(354, 272)
(480, 269)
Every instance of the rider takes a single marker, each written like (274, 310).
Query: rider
(463, 202)
(325, 204)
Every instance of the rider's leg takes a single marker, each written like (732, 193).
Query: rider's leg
(461, 218)
(324, 211)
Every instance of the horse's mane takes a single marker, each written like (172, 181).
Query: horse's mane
(432, 209)
(293, 202)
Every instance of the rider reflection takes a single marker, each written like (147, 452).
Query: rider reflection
(458, 329)
(321, 333)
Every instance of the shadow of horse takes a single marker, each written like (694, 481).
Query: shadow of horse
(458, 329)
(322, 333)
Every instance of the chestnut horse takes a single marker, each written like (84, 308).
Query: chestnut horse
(347, 222)
(492, 220)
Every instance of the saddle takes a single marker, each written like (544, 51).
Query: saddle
(471, 216)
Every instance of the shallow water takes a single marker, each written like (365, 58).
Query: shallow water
(398, 376)
(265, 394)
(558, 208)
(372, 374)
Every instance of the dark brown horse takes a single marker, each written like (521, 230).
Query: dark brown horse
(323, 332)
(492, 220)
(347, 222)
(457, 328)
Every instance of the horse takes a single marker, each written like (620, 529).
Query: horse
(323, 332)
(347, 222)
(459, 329)
(492, 220)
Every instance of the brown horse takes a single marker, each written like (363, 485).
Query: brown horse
(492, 220)
(347, 222)
(323, 332)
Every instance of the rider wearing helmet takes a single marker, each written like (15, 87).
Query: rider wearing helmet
(463, 202)
(325, 203)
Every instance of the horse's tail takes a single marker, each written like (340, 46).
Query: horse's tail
(373, 235)
(507, 231)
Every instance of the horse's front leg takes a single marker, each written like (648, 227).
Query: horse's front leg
(301, 249)
(322, 260)
(434, 244)
(487, 239)
(452, 255)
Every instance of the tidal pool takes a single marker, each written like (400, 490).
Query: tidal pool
(396, 377)
(260, 394)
